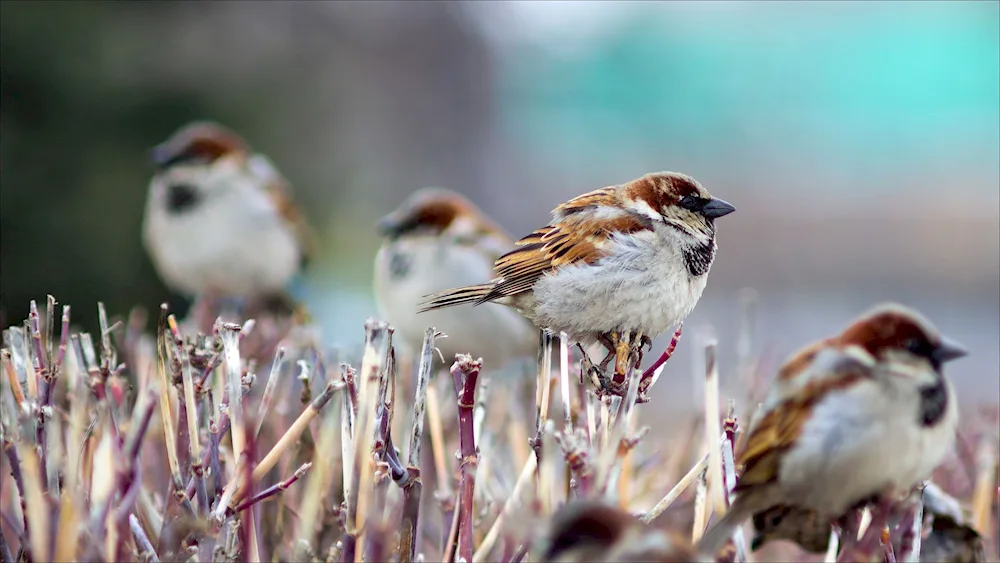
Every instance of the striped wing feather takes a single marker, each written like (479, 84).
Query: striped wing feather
(779, 428)
(575, 236)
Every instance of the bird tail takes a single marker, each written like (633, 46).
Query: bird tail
(721, 531)
(458, 296)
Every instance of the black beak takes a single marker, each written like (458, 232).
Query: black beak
(716, 208)
(949, 350)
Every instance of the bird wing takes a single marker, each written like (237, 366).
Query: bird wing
(280, 192)
(575, 236)
(778, 429)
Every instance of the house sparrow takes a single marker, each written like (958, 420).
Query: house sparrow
(438, 239)
(584, 531)
(219, 219)
(952, 542)
(629, 260)
(866, 414)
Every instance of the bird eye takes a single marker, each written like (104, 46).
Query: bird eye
(691, 202)
(914, 345)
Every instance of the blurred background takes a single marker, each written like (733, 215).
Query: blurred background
(860, 143)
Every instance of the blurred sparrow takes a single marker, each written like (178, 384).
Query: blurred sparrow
(438, 239)
(584, 531)
(625, 261)
(867, 414)
(219, 219)
(952, 542)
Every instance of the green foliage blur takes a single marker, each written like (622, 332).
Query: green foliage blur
(67, 133)
(76, 123)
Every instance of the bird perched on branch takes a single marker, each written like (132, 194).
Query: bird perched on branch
(219, 220)
(865, 415)
(616, 265)
(438, 239)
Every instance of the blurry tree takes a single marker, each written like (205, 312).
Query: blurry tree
(357, 104)
(72, 161)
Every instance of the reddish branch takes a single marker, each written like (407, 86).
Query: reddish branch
(646, 381)
(15, 471)
(272, 490)
(465, 374)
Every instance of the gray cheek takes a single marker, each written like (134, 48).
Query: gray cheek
(399, 265)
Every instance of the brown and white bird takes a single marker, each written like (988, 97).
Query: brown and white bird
(219, 218)
(625, 259)
(591, 531)
(866, 414)
(438, 239)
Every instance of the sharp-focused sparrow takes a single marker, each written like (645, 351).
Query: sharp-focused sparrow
(219, 218)
(865, 414)
(630, 259)
(585, 531)
(438, 239)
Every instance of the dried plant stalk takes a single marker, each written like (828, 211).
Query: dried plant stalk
(272, 382)
(101, 483)
(701, 508)
(376, 532)
(465, 374)
(230, 334)
(166, 416)
(564, 380)
(678, 489)
(413, 486)
(289, 437)
(15, 386)
(145, 546)
(832, 546)
(986, 486)
(319, 480)
(36, 505)
(491, 536)
(377, 345)
(716, 482)
(730, 428)
(191, 414)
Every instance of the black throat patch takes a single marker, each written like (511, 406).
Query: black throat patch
(399, 265)
(933, 403)
(181, 198)
(698, 258)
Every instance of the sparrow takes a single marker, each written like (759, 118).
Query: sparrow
(585, 531)
(627, 260)
(438, 239)
(867, 414)
(219, 218)
(950, 541)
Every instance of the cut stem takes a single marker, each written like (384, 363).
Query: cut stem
(465, 373)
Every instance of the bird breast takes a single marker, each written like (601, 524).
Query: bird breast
(643, 284)
(860, 441)
(231, 239)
